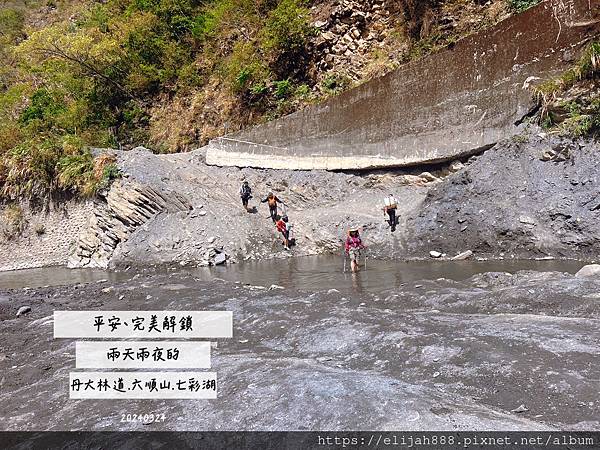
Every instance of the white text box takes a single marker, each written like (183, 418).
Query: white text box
(143, 385)
(142, 355)
(143, 324)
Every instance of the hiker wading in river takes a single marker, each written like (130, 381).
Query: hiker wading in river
(389, 208)
(272, 200)
(353, 247)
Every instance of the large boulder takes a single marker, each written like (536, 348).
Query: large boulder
(591, 270)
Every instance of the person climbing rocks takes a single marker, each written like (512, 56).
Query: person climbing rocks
(284, 228)
(245, 194)
(272, 200)
(389, 207)
(353, 247)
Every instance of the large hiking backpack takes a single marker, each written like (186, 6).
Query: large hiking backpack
(390, 202)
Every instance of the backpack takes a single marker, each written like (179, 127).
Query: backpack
(390, 202)
(246, 191)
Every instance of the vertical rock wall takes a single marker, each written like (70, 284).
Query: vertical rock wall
(127, 206)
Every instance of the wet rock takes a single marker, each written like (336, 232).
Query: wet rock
(591, 270)
(520, 409)
(455, 166)
(435, 254)
(220, 259)
(427, 176)
(462, 256)
(4, 308)
(23, 310)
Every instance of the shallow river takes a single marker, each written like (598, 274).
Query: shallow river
(307, 274)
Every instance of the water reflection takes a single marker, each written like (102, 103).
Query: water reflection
(308, 274)
(327, 272)
(56, 276)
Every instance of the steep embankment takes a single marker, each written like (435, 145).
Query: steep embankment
(176, 209)
(527, 197)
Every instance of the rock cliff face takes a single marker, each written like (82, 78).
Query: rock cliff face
(116, 215)
(363, 39)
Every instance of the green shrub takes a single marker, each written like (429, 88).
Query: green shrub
(283, 88)
(578, 122)
(335, 83)
(521, 5)
(43, 106)
(11, 25)
(243, 77)
(287, 27)
(259, 89)
(14, 222)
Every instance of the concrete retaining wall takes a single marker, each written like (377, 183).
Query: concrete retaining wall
(61, 226)
(438, 108)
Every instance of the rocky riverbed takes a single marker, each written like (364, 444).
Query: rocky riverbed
(496, 351)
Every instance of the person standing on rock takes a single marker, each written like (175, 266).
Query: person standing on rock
(245, 194)
(272, 200)
(389, 208)
(353, 247)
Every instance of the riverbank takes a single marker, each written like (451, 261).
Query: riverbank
(531, 196)
(175, 209)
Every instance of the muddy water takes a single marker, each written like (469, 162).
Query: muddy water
(306, 274)
(323, 273)
(57, 276)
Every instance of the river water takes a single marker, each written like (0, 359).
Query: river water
(307, 274)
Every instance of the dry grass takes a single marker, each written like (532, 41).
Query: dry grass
(14, 222)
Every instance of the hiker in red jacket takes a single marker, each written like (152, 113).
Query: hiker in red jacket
(283, 228)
